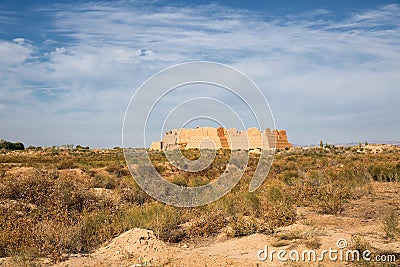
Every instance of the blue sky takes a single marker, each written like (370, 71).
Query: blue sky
(329, 69)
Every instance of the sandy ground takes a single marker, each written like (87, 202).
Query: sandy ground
(363, 217)
(139, 247)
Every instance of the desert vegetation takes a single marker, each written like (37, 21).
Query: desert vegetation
(58, 202)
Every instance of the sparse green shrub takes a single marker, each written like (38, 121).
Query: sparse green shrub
(67, 163)
(385, 173)
(94, 229)
(290, 236)
(278, 214)
(17, 230)
(360, 244)
(191, 154)
(288, 176)
(197, 181)
(391, 225)
(26, 258)
(274, 194)
(160, 218)
(135, 196)
(244, 226)
(252, 202)
(80, 200)
(179, 180)
(118, 170)
(304, 191)
(280, 243)
(103, 181)
(313, 243)
(207, 224)
(33, 188)
(333, 196)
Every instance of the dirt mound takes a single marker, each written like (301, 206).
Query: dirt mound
(135, 243)
(136, 247)
(140, 247)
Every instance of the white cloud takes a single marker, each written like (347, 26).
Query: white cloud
(13, 53)
(19, 40)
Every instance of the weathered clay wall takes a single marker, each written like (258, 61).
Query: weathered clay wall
(192, 138)
(216, 138)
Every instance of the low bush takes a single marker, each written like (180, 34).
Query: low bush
(207, 224)
(333, 196)
(391, 225)
(135, 196)
(118, 170)
(104, 181)
(67, 163)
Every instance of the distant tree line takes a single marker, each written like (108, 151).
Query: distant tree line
(11, 146)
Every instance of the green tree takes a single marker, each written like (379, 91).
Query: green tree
(12, 146)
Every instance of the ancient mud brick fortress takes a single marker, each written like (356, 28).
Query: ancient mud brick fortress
(216, 138)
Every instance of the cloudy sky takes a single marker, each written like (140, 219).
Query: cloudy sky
(330, 70)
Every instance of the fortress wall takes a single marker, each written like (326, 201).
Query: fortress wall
(251, 139)
(237, 139)
(192, 138)
(156, 146)
(254, 136)
(170, 140)
(271, 137)
(281, 140)
(218, 138)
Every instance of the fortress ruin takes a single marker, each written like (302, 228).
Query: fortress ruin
(216, 138)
